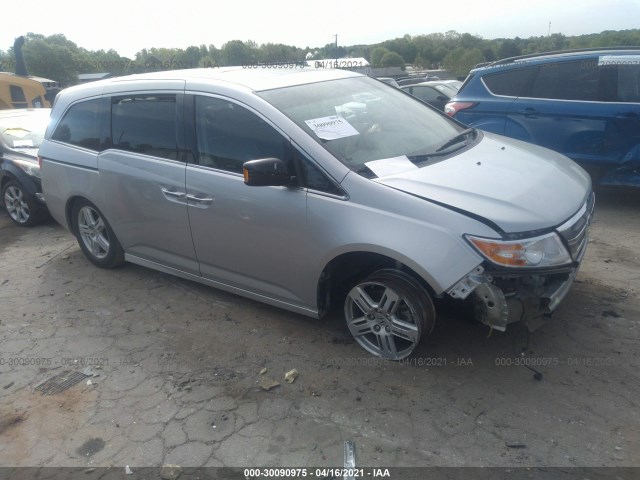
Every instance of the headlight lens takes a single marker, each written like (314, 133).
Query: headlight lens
(30, 168)
(544, 251)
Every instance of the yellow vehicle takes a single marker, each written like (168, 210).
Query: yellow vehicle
(21, 92)
(18, 90)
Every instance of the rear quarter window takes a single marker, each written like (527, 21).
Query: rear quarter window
(629, 83)
(578, 80)
(83, 125)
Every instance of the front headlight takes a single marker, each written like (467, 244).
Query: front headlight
(30, 168)
(544, 251)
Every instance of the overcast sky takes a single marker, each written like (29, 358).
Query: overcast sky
(129, 25)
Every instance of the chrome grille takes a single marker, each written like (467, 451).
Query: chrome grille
(575, 230)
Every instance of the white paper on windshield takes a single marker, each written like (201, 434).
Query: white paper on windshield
(390, 166)
(22, 143)
(610, 60)
(331, 128)
(17, 132)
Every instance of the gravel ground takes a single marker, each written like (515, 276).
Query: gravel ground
(176, 371)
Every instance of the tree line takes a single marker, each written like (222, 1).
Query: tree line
(58, 58)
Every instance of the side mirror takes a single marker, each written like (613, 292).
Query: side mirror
(266, 172)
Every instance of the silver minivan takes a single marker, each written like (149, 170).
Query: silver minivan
(316, 190)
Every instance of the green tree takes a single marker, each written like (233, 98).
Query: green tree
(469, 60)
(236, 53)
(508, 48)
(392, 59)
(453, 61)
(403, 46)
(51, 60)
(376, 55)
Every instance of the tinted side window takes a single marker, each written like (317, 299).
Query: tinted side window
(567, 81)
(145, 124)
(629, 83)
(428, 94)
(229, 135)
(17, 94)
(314, 178)
(17, 97)
(82, 124)
(510, 83)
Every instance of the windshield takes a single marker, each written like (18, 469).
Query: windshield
(20, 132)
(360, 120)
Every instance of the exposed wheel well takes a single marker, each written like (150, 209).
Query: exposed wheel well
(68, 209)
(342, 272)
(6, 177)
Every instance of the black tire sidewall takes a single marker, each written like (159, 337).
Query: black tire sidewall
(419, 293)
(34, 209)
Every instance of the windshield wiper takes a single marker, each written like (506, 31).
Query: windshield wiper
(443, 149)
(457, 139)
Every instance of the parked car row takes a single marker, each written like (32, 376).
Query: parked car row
(314, 191)
(21, 133)
(584, 104)
(435, 93)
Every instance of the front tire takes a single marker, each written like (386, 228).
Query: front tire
(387, 313)
(22, 207)
(95, 236)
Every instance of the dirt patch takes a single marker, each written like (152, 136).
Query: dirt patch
(9, 420)
(91, 447)
(48, 418)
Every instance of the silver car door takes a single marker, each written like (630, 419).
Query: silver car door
(251, 238)
(144, 179)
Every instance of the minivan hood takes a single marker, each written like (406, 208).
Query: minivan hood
(517, 186)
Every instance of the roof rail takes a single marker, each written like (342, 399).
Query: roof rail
(556, 52)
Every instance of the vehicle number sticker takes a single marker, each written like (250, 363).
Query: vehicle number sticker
(331, 128)
(610, 60)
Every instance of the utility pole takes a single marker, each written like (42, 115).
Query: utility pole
(336, 35)
(549, 32)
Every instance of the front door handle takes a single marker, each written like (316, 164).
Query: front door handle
(199, 201)
(529, 112)
(173, 194)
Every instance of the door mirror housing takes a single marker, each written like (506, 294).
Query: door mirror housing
(266, 172)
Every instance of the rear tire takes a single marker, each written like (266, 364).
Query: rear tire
(95, 236)
(388, 312)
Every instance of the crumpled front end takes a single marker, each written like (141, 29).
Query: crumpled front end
(506, 295)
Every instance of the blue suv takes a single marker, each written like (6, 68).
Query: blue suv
(584, 104)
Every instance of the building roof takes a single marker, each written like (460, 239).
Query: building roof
(90, 77)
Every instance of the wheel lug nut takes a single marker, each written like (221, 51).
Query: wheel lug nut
(387, 329)
(376, 328)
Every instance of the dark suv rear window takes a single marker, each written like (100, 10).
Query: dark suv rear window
(567, 81)
(510, 83)
(629, 83)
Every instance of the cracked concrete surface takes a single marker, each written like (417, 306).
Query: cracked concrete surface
(178, 366)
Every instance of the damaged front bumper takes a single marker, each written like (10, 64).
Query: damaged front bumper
(502, 296)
